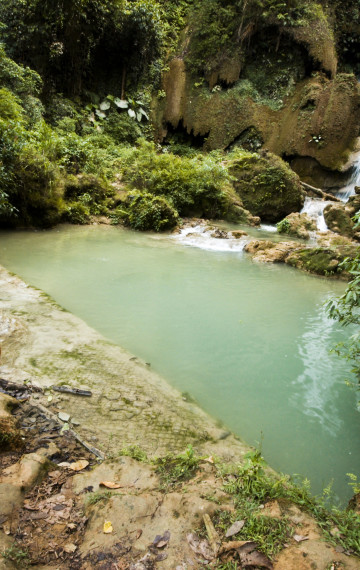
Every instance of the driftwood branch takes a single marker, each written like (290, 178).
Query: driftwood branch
(318, 192)
(75, 391)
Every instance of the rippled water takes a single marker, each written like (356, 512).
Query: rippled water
(249, 341)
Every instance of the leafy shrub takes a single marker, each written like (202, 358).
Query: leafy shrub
(193, 185)
(147, 212)
(76, 213)
(283, 227)
(122, 128)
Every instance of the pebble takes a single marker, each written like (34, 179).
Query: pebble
(64, 416)
(75, 422)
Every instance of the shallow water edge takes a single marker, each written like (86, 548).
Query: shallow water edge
(44, 344)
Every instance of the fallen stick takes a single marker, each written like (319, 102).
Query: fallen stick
(75, 391)
(214, 538)
(54, 417)
(319, 192)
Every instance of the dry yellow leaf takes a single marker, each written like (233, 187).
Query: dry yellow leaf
(79, 465)
(108, 528)
(110, 485)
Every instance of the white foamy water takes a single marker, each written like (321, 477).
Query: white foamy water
(349, 190)
(314, 208)
(200, 236)
(268, 228)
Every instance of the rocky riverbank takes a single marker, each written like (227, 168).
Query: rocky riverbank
(171, 504)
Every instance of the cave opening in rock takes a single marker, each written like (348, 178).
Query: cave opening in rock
(179, 140)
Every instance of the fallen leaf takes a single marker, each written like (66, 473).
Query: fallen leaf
(249, 556)
(300, 538)
(138, 533)
(79, 465)
(201, 547)
(64, 464)
(161, 541)
(71, 526)
(209, 459)
(335, 531)
(7, 527)
(235, 528)
(232, 545)
(70, 547)
(108, 528)
(110, 485)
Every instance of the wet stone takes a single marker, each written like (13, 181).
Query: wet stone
(63, 416)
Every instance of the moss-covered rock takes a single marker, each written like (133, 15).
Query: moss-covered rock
(266, 185)
(270, 252)
(338, 220)
(297, 225)
(318, 118)
(316, 260)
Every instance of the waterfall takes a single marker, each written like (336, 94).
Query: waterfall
(349, 190)
(314, 208)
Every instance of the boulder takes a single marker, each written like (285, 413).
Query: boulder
(265, 184)
(297, 225)
(338, 220)
(270, 252)
(315, 260)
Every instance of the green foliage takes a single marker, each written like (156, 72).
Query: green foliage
(224, 29)
(135, 452)
(252, 485)
(99, 496)
(76, 213)
(192, 185)
(66, 41)
(144, 211)
(179, 468)
(283, 227)
(346, 310)
(16, 555)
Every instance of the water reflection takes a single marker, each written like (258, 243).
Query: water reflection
(318, 393)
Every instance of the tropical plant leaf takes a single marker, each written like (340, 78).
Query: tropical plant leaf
(131, 113)
(105, 105)
(121, 103)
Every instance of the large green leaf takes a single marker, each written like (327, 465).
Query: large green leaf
(131, 113)
(105, 105)
(121, 103)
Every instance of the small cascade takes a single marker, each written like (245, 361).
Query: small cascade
(349, 190)
(314, 208)
(201, 236)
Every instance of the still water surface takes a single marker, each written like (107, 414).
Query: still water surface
(249, 341)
